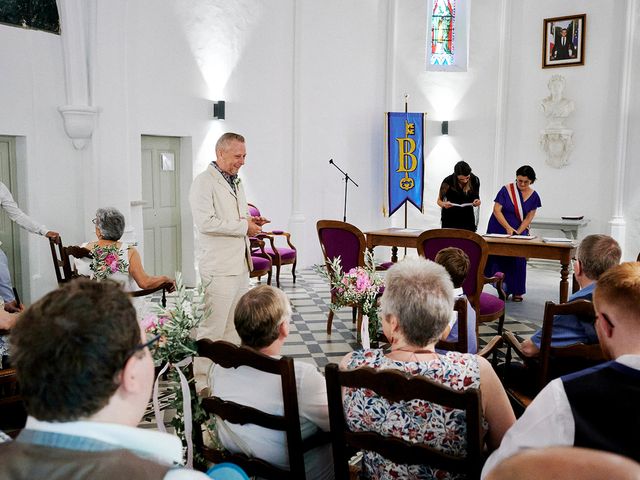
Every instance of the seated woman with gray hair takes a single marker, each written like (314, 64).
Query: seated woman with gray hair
(109, 226)
(416, 308)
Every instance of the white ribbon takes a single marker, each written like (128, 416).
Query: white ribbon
(186, 405)
(364, 332)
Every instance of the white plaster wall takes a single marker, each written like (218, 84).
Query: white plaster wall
(342, 77)
(49, 169)
(466, 99)
(631, 204)
(584, 186)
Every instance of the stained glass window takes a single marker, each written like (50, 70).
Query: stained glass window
(37, 14)
(443, 29)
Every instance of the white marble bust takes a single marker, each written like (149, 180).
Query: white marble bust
(555, 107)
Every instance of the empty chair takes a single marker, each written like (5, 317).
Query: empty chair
(261, 260)
(280, 254)
(341, 239)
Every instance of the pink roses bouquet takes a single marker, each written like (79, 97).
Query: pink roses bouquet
(360, 286)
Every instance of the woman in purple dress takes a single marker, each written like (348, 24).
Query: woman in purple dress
(513, 211)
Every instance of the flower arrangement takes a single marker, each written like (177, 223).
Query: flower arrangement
(106, 260)
(176, 324)
(359, 286)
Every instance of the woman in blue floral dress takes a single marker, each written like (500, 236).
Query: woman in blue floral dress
(416, 308)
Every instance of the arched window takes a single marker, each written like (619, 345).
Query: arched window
(36, 14)
(447, 35)
(443, 29)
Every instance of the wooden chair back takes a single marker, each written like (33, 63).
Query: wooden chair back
(228, 355)
(13, 414)
(397, 386)
(65, 269)
(462, 345)
(552, 361)
(341, 239)
(430, 242)
(581, 354)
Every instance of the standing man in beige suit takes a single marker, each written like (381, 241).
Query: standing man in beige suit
(220, 212)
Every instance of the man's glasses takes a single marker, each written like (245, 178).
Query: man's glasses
(152, 345)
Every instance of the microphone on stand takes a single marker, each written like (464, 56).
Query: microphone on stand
(347, 179)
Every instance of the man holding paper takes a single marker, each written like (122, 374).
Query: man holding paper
(513, 211)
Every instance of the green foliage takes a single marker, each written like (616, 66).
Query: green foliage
(177, 325)
(359, 286)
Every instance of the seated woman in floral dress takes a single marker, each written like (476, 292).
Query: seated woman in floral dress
(416, 308)
(114, 259)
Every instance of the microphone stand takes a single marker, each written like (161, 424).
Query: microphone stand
(347, 179)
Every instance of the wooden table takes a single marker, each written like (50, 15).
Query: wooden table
(508, 247)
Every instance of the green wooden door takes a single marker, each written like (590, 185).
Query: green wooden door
(161, 211)
(9, 231)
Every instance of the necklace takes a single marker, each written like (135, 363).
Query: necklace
(411, 351)
(414, 353)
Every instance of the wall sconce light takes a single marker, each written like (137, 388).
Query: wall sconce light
(445, 127)
(218, 110)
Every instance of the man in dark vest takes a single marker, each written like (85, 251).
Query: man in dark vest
(85, 372)
(596, 408)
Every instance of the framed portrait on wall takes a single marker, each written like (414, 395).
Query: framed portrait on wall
(563, 41)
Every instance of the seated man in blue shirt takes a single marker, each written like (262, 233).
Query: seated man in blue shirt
(596, 254)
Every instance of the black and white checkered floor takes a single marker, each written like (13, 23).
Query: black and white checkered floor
(309, 341)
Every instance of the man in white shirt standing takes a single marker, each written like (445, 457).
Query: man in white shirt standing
(85, 372)
(596, 408)
(11, 207)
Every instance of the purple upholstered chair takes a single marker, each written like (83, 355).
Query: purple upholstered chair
(280, 255)
(340, 239)
(261, 260)
(488, 307)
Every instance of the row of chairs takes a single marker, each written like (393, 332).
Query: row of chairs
(393, 385)
(348, 242)
(266, 254)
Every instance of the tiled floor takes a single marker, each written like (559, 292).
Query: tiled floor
(309, 341)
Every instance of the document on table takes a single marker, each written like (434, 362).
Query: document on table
(557, 240)
(505, 235)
